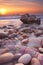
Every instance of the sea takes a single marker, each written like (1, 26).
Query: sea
(14, 20)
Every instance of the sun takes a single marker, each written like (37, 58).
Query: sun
(3, 11)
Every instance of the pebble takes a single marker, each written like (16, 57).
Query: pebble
(17, 55)
(10, 31)
(6, 57)
(31, 51)
(19, 64)
(40, 57)
(35, 61)
(37, 32)
(25, 36)
(42, 42)
(41, 50)
(3, 50)
(25, 59)
(21, 45)
(25, 41)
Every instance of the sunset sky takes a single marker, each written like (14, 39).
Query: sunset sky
(21, 6)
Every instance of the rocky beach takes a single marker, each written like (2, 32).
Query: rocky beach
(21, 41)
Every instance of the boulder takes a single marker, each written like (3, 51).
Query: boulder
(25, 59)
(31, 19)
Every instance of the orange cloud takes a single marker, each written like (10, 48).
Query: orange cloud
(19, 6)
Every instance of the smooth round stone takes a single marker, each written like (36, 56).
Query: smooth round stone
(22, 50)
(10, 31)
(31, 51)
(25, 59)
(17, 55)
(19, 64)
(3, 50)
(35, 61)
(41, 50)
(6, 57)
(42, 42)
(40, 57)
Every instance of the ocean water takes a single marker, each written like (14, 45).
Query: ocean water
(14, 20)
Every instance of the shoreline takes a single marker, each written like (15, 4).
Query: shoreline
(21, 44)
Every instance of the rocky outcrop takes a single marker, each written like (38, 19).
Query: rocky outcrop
(30, 19)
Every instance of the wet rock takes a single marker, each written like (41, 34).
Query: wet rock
(31, 19)
(17, 55)
(25, 59)
(6, 57)
(4, 27)
(41, 50)
(31, 51)
(25, 36)
(38, 32)
(25, 41)
(2, 35)
(11, 42)
(22, 50)
(26, 30)
(19, 64)
(10, 32)
(34, 42)
(21, 33)
(13, 35)
(42, 42)
(20, 38)
(1, 43)
(3, 50)
(40, 57)
(35, 61)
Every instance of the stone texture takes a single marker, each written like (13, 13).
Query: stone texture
(6, 57)
(35, 61)
(25, 59)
